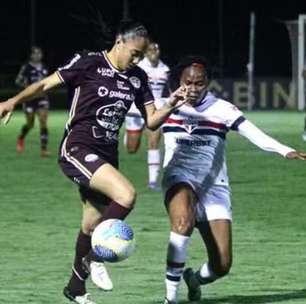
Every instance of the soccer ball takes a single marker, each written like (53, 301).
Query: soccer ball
(113, 240)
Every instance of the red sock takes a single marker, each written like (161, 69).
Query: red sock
(77, 281)
(115, 211)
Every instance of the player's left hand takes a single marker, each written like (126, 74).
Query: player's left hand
(296, 155)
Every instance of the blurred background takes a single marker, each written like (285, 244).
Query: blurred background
(219, 29)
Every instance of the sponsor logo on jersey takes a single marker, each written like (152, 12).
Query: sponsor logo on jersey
(110, 118)
(102, 91)
(90, 158)
(135, 81)
(121, 85)
(194, 143)
(106, 72)
(120, 95)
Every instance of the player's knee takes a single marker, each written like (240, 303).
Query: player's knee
(127, 198)
(89, 227)
(183, 225)
(131, 150)
(222, 268)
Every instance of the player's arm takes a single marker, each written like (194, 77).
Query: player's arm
(21, 79)
(155, 118)
(265, 142)
(30, 92)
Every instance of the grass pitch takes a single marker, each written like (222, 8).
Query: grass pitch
(40, 217)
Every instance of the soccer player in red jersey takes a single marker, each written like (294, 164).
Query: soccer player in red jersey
(103, 85)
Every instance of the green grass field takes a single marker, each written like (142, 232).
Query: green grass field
(40, 216)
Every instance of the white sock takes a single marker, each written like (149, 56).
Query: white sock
(125, 138)
(206, 275)
(176, 257)
(153, 165)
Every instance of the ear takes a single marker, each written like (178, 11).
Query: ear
(119, 39)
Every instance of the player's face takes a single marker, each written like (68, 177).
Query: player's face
(153, 52)
(130, 52)
(36, 55)
(196, 81)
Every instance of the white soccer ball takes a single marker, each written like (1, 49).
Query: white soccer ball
(113, 240)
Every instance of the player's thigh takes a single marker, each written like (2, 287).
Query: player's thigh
(133, 140)
(153, 139)
(134, 127)
(30, 118)
(214, 216)
(109, 181)
(43, 117)
(180, 202)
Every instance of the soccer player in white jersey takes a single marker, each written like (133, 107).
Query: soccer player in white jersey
(195, 181)
(157, 73)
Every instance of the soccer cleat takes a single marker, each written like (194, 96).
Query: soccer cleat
(166, 301)
(304, 136)
(20, 145)
(44, 153)
(154, 186)
(84, 299)
(193, 285)
(98, 274)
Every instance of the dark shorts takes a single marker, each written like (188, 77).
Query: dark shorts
(36, 105)
(79, 163)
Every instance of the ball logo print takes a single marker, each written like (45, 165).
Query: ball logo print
(113, 240)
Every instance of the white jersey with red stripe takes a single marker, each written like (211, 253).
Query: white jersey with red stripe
(195, 142)
(157, 79)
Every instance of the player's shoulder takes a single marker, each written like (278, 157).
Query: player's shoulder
(163, 66)
(90, 56)
(139, 72)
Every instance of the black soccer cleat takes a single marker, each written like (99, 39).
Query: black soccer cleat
(193, 285)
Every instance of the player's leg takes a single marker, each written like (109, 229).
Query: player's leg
(90, 218)
(44, 134)
(133, 132)
(216, 231)
(304, 133)
(180, 203)
(153, 158)
(30, 119)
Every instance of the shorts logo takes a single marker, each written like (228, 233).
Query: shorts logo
(102, 91)
(135, 81)
(89, 158)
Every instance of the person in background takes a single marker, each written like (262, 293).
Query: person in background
(32, 71)
(157, 73)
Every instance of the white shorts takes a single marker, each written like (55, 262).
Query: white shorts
(134, 123)
(214, 203)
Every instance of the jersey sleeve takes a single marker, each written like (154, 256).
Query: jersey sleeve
(22, 79)
(262, 140)
(233, 117)
(144, 94)
(72, 73)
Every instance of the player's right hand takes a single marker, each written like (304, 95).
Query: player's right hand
(6, 110)
(178, 97)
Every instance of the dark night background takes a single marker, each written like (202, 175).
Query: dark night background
(180, 26)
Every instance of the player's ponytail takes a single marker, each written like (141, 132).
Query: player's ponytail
(99, 32)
